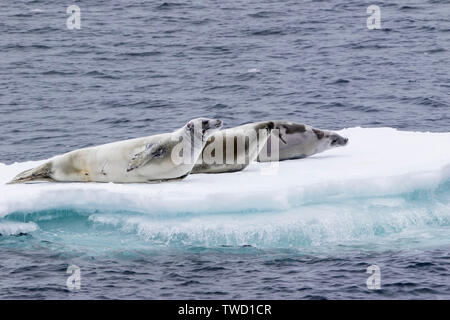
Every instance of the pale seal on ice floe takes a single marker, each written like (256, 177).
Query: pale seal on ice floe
(155, 158)
(296, 141)
(233, 149)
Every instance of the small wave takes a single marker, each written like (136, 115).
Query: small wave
(437, 50)
(408, 8)
(57, 73)
(22, 15)
(264, 14)
(362, 45)
(142, 54)
(425, 28)
(43, 30)
(9, 228)
(365, 109)
(24, 47)
(219, 106)
(267, 32)
(169, 5)
(427, 101)
(213, 49)
(333, 105)
(249, 74)
(230, 88)
(202, 22)
(340, 81)
(113, 121)
(99, 74)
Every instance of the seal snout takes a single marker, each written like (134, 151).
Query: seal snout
(211, 124)
(345, 141)
(337, 140)
(342, 141)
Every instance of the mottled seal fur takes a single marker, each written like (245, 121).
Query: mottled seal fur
(155, 158)
(296, 141)
(233, 149)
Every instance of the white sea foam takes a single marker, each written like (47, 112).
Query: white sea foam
(8, 228)
(377, 161)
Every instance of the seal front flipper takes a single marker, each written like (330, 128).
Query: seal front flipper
(151, 151)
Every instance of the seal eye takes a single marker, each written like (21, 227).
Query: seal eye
(205, 125)
(190, 126)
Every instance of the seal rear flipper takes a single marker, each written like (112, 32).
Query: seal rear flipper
(41, 173)
(140, 159)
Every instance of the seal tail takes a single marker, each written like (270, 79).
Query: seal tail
(41, 173)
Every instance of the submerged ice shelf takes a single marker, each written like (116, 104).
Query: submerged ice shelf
(345, 193)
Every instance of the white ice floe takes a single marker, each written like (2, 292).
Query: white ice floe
(376, 162)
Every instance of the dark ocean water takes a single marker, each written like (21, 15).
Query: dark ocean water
(136, 68)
